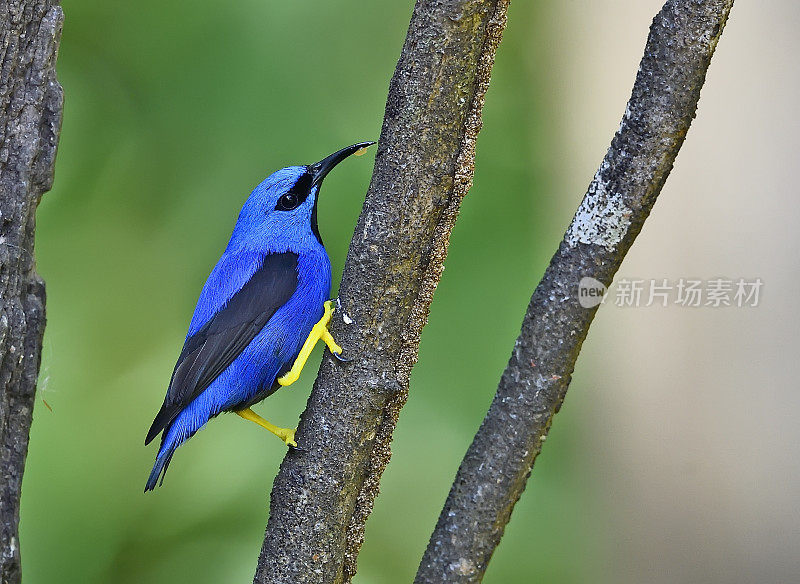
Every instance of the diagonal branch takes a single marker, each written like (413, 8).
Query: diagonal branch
(423, 169)
(494, 471)
(30, 120)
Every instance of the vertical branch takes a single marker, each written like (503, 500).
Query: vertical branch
(321, 498)
(494, 471)
(30, 120)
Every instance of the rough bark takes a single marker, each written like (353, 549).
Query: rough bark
(423, 168)
(30, 120)
(493, 474)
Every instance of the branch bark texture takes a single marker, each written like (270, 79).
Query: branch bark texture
(423, 168)
(30, 120)
(493, 474)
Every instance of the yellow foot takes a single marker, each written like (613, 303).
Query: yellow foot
(318, 333)
(285, 434)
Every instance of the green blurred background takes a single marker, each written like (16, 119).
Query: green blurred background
(174, 112)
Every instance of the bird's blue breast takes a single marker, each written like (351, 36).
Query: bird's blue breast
(277, 344)
(282, 337)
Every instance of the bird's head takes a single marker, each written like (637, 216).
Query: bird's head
(281, 212)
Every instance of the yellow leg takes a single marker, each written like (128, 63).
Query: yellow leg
(285, 434)
(319, 332)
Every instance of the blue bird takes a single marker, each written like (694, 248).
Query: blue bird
(259, 315)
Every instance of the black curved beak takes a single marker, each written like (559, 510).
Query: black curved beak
(321, 169)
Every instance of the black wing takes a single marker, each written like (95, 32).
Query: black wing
(216, 345)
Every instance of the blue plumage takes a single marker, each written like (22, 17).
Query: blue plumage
(256, 309)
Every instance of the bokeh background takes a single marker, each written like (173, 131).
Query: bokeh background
(675, 457)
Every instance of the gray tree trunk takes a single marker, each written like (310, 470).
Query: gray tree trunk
(423, 169)
(494, 471)
(30, 120)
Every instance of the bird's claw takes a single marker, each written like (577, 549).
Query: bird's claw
(290, 442)
(287, 435)
(319, 332)
(341, 358)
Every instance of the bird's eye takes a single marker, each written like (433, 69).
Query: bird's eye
(287, 202)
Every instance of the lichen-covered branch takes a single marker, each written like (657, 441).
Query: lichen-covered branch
(494, 471)
(423, 169)
(30, 120)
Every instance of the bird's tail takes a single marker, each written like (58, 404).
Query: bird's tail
(162, 462)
